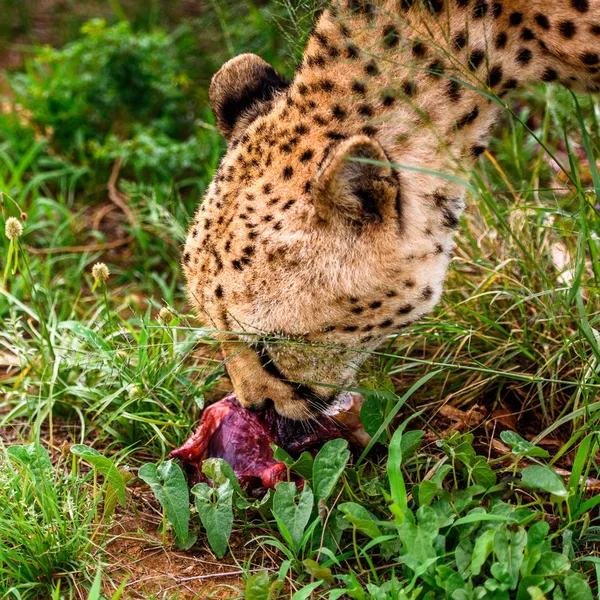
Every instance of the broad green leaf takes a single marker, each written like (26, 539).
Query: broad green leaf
(171, 490)
(483, 474)
(216, 513)
(360, 518)
(292, 510)
(552, 564)
(427, 491)
(105, 466)
(537, 534)
(577, 588)
(328, 466)
(304, 465)
(220, 471)
(484, 545)
(258, 586)
(411, 440)
(544, 479)
(35, 458)
(372, 415)
(509, 547)
(317, 571)
(522, 447)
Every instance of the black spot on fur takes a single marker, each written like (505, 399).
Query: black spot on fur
(371, 68)
(409, 88)
(306, 155)
(351, 51)
(527, 35)
(427, 293)
(460, 40)
(359, 87)
(477, 151)
(524, 56)
(516, 18)
(581, 5)
(567, 29)
(418, 49)
(542, 21)
(404, 310)
(475, 59)
(549, 75)
(480, 9)
(495, 76)
(391, 37)
(590, 58)
(454, 90)
(501, 40)
(497, 10)
(338, 112)
(436, 68)
(469, 118)
(288, 172)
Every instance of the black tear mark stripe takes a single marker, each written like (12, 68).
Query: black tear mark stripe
(299, 390)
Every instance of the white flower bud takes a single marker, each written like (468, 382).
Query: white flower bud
(100, 272)
(13, 228)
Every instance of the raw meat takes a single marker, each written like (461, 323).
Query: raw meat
(228, 431)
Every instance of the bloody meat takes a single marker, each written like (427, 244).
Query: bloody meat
(243, 438)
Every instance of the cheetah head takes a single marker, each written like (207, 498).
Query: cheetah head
(301, 254)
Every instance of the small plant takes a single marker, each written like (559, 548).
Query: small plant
(48, 528)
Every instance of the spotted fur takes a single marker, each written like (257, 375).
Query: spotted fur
(332, 215)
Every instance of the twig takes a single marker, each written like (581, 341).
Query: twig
(116, 197)
(86, 248)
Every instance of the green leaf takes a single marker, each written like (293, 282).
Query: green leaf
(483, 474)
(577, 588)
(35, 458)
(216, 513)
(427, 491)
(317, 571)
(522, 447)
(544, 479)
(91, 336)
(291, 516)
(360, 518)
(482, 549)
(219, 471)
(552, 564)
(306, 591)
(372, 415)
(258, 586)
(328, 466)
(96, 587)
(411, 440)
(394, 470)
(105, 466)
(509, 547)
(171, 490)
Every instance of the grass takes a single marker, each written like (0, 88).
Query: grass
(122, 366)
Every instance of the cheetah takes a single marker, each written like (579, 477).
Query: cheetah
(330, 221)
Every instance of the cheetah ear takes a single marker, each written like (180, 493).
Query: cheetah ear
(354, 190)
(239, 88)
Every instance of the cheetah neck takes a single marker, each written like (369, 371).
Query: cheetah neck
(427, 78)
